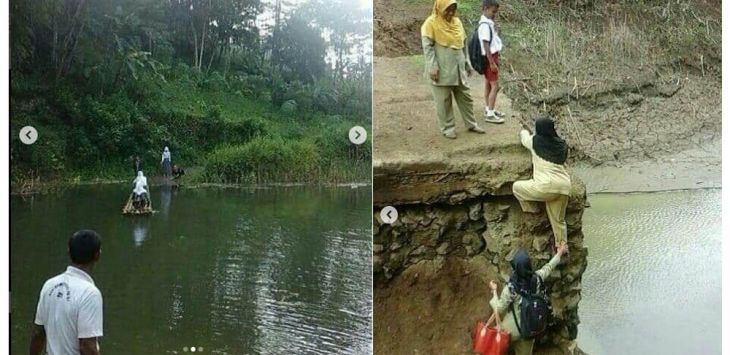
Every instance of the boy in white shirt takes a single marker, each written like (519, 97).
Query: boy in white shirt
(491, 46)
(69, 316)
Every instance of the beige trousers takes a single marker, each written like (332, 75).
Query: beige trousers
(555, 204)
(445, 110)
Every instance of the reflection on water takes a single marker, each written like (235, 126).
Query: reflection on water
(165, 200)
(235, 271)
(139, 230)
(653, 283)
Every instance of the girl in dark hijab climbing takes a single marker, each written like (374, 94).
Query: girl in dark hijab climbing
(550, 181)
(522, 282)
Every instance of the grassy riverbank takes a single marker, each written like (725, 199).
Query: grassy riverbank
(217, 134)
(236, 101)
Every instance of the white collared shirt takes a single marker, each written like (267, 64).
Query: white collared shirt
(69, 309)
(486, 33)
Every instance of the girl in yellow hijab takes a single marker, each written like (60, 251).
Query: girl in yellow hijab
(448, 33)
(447, 67)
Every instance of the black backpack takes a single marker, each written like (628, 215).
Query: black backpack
(475, 50)
(535, 310)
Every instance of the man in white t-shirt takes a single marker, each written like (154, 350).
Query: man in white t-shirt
(69, 316)
(491, 46)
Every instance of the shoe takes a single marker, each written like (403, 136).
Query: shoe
(477, 129)
(493, 119)
(498, 113)
(450, 135)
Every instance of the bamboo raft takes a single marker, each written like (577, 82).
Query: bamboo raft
(130, 210)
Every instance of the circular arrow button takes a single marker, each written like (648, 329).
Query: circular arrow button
(358, 135)
(28, 135)
(389, 214)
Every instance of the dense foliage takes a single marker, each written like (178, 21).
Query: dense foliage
(245, 91)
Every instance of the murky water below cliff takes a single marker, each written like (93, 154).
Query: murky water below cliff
(653, 283)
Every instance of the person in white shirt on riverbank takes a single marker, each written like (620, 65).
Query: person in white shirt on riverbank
(69, 316)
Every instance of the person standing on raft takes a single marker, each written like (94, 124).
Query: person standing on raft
(444, 48)
(140, 188)
(166, 163)
(550, 181)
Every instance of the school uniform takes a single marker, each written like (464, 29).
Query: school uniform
(452, 80)
(550, 184)
(487, 31)
(510, 323)
(445, 51)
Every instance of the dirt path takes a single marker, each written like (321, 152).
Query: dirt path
(404, 118)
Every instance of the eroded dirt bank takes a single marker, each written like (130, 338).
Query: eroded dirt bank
(432, 266)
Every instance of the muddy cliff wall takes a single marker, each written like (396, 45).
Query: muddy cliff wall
(465, 211)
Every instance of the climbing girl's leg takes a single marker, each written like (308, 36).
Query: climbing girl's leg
(556, 213)
(528, 197)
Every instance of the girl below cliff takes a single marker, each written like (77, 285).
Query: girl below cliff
(550, 181)
(523, 282)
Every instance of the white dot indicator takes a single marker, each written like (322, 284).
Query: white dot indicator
(185, 349)
(192, 349)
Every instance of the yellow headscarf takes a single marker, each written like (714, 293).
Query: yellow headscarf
(448, 34)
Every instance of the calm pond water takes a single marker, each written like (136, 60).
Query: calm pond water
(234, 271)
(653, 283)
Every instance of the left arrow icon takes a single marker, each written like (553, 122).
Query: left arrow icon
(28, 135)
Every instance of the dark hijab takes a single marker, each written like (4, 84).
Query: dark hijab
(521, 279)
(547, 144)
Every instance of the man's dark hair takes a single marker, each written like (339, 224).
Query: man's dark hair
(83, 246)
(490, 3)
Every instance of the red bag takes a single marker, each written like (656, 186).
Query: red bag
(489, 340)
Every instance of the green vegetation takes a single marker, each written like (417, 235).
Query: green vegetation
(238, 96)
(582, 43)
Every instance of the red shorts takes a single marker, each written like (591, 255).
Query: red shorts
(489, 74)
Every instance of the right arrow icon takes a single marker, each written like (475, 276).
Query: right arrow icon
(358, 135)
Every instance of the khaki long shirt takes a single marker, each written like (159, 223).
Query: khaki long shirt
(548, 177)
(452, 64)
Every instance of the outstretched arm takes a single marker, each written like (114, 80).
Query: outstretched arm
(545, 271)
(500, 303)
(526, 138)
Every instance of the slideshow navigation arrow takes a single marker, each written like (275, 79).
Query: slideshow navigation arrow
(389, 214)
(28, 135)
(358, 135)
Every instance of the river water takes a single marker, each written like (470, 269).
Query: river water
(653, 283)
(234, 271)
